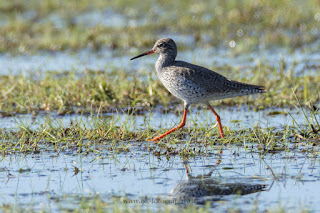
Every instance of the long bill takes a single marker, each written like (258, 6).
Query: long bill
(143, 54)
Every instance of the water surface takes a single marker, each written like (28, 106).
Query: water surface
(292, 178)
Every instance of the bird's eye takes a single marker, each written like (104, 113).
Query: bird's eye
(161, 45)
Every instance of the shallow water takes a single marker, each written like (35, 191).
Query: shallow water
(293, 181)
(291, 178)
(232, 117)
(107, 59)
(108, 18)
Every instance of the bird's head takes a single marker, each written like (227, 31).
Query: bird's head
(165, 46)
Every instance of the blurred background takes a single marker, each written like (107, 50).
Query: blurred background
(27, 26)
(274, 43)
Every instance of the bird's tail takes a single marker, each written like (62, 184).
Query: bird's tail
(247, 88)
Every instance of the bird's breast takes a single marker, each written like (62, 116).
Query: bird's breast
(181, 87)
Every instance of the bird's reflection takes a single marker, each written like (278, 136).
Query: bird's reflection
(206, 188)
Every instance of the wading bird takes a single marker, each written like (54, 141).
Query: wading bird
(193, 84)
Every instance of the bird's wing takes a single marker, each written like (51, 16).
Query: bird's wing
(209, 80)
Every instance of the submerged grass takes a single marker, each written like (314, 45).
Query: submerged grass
(95, 203)
(100, 135)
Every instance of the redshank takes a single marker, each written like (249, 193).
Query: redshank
(206, 188)
(193, 84)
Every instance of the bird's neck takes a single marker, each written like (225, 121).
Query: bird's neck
(164, 60)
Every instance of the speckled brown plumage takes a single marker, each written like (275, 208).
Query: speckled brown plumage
(194, 84)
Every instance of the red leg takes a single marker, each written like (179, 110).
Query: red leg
(219, 158)
(218, 119)
(217, 163)
(187, 169)
(175, 128)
